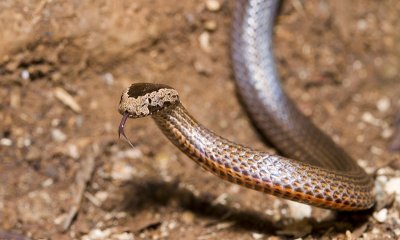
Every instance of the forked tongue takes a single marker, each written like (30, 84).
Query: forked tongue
(122, 127)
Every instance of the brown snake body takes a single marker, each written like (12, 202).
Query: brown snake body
(291, 179)
(318, 172)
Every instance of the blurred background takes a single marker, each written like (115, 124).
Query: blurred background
(64, 174)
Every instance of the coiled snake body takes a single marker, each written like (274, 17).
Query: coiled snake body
(318, 172)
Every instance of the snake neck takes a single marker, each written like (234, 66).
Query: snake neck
(185, 132)
(209, 150)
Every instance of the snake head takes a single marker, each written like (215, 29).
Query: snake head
(144, 99)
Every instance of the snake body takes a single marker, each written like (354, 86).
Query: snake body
(318, 172)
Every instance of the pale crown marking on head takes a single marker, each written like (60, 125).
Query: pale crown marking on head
(148, 103)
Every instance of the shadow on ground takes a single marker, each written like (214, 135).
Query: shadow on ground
(148, 193)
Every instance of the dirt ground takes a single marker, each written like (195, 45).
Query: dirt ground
(64, 174)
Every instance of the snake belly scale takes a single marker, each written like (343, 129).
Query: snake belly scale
(316, 172)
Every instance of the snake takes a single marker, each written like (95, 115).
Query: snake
(314, 169)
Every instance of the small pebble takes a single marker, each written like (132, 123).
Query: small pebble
(257, 236)
(210, 25)
(221, 199)
(73, 151)
(122, 171)
(25, 74)
(187, 217)
(213, 5)
(123, 236)
(204, 40)
(55, 122)
(369, 118)
(47, 183)
(381, 216)
(362, 25)
(108, 78)
(26, 142)
(132, 153)
(60, 219)
(97, 234)
(164, 230)
(101, 196)
(386, 133)
(348, 235)
(172, 225)
(392, 186)
(58, 135)
(6, 142)
(120, 215)
(375, 150)
(383, 104)
(56, 76)
(299, 211)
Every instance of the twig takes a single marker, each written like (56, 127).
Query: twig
(82, 179)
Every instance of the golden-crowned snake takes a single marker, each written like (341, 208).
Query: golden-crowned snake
(317, 171)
